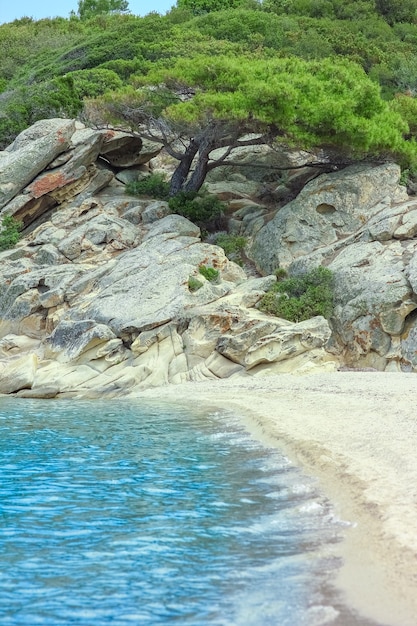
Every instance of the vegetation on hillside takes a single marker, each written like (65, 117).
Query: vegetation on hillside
(335, 74)
(297, 298)
(225, 102)
(9, 232)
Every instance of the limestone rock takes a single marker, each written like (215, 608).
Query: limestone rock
(149, 285)
(96, 300)
(175, 224)
(155, 211)
(126, 150)
(233, 190)
(30, 154)
(71, 339)
(269, 341)
(46, 392)
(13, 345)
(328, 209)
(132, 174)
(18, 374)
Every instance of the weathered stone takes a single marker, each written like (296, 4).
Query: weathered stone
(203, 332)
(40, 130)
(103, 229)
(328, 209)
(155, 211)
(256, 345)
(13, 345)
(71, 339)
(233, 190)
(71, 175)
(132, 174)
(382, 226)
(309, 362)
(222, 367)
(48, 254)
(408, 227)
(97, 180)
(18, 374)
(176, 224)
(408, 346)
(46, 392)
(63, 376)
(244, 336)
(153, 279)
(126, 150)
(132, 211)
(26, 158)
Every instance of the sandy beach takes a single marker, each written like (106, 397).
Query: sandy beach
(357, 433)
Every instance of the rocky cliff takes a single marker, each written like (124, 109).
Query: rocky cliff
(95, 298)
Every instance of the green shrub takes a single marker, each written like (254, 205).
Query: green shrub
(194, 284)
(124, 68)
(201, 208)
(209, 273)
(10, 232)
(95, 82)
(22, 107)
(232, 245)
(154, 186)
(301, 297)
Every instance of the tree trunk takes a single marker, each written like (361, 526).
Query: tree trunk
(200, 172)
(182, 170)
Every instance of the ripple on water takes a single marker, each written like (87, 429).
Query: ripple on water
(122, 513)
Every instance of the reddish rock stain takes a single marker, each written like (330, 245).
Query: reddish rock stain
(47, 183)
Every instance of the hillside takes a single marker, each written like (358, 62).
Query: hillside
(74, 59)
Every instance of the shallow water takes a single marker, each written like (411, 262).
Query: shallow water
(122, 513)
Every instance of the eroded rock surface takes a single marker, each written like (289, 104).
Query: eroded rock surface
(362, 225)
(95, 299)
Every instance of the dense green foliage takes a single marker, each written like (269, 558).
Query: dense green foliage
(95, 82)
(90, 8)
(27, 104)
(201, 208)
(10, 232)
(154, 186)
(270, 61)
(312, 102)
(200, 7)
(299, 298)
(330, 103)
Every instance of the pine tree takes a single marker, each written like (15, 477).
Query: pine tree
(90, 8)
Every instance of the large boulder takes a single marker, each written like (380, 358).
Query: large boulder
(126, 150)
(57, 161)
(328, 209)
(18, 374)
(374, 303)
(30, 154)
(374, 318)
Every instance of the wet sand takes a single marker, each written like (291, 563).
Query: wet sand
(357, 433)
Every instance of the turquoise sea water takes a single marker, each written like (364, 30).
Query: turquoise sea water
(116, 512)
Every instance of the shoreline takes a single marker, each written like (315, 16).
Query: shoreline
(356, 432)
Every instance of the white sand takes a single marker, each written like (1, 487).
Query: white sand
(357, 432)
